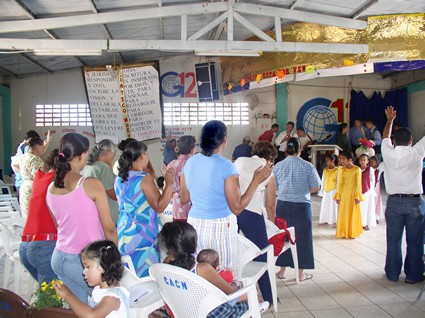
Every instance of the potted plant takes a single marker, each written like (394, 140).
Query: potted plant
(48, 304)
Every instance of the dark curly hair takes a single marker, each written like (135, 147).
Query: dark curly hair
(213, 134)
(264, 149)
(71, 145)
(179, 239)
(131, 153)
(106, 253)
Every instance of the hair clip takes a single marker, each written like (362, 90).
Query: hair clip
(290, 144)
(108, 247)
(60, 154)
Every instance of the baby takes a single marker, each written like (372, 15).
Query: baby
(211, 257)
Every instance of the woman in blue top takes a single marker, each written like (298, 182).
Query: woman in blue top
(211, 183)
(139, 202)
(295, 180)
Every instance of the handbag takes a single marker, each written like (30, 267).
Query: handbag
(278, 240)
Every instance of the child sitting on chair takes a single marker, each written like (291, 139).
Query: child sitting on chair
(211, 257)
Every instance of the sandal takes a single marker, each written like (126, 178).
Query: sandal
(281, 275)
(306, 277)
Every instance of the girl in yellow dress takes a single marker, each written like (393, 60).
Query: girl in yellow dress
(348, 196)
(329, 208)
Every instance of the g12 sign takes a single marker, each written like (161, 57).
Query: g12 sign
(174, 84)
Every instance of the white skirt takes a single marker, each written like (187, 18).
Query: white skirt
(329, 208)
(219, 235)
(367, 208)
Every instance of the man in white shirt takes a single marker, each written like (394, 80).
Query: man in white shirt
(282, 140)
(405, 206)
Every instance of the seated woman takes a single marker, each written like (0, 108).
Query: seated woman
(178, 241)
(40, 234)
(139, 202)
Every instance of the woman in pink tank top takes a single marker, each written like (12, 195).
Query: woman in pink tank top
(80, 210)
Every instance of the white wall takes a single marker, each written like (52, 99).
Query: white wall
(62, 88)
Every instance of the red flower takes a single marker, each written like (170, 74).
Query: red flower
(365, 143)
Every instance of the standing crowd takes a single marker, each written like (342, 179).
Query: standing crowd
(81, 217)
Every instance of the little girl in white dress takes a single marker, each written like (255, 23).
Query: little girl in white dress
(103, 269)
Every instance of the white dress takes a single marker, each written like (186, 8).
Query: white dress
(379, 207)
(118, 292)
(329, 207)
(368, 206)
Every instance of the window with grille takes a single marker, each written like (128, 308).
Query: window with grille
(62, 115)
(176, 114)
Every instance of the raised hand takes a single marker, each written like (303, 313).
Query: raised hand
(262, 173)
(390, 113)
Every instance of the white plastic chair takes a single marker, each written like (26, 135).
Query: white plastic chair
(250, 271)
(11, 243)
(191, 296)
(273, 230)
(144, 293)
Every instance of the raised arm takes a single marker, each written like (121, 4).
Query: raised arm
(156, 200)
(391, 115)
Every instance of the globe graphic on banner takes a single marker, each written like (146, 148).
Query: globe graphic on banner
(170, 84)
(315, 121)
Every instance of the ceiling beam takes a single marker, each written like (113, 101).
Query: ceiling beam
(179, 45)
(28, 12)
(251, 27)
(363, 8)
(104, 27)
(301, 16)
(209, 26)
(294, 4)
(170, 45)
(35, 63)
(111, 17)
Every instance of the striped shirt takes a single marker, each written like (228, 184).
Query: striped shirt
(294, 179)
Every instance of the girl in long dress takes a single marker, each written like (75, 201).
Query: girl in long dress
(367, 206)
(329, 208)
(379, 169)
(348, 196)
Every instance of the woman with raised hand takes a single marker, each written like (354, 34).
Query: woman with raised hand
(211, 183)
(139, 202)
(80, 210)
(99, 166)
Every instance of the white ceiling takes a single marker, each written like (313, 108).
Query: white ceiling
(17, 15)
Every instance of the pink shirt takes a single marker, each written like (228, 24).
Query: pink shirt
(77, 218)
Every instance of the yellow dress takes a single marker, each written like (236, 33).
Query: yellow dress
(349, 188)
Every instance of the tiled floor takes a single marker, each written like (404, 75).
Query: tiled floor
(348, 280)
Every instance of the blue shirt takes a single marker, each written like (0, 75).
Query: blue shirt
(205, 178)
(169, 155)
(356, 134)
(294, 178)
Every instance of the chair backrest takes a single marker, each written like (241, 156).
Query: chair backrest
(51, 312)
(11, 305)
(187, 294)
(8, 238)
(247, 251)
